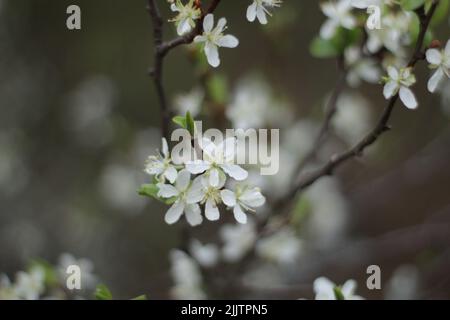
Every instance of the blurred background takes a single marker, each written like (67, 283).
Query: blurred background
(79, 116)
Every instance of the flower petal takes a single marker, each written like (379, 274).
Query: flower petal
(239, 215)
(212, 54)
(174, 213)
(434, 56)
(228, 41)
(183, 180)
(261, 15)
(251, 12)
(208, 22)
(228, 197)
(167, 191)
(193, 214)
(435, 79)
(235, 171)
(197, 166)
(408, 98)
(171, 174)
(211, 211)
(196, 192)
(390, 89)
(214, 177)
(252, 198)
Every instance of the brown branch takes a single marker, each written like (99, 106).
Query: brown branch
(162, 49)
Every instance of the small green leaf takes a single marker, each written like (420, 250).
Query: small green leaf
(180, 120)
(190, 124)
(141, 297)
(321, 48)
(50, 276)
(102, 293)
(338, 293)
(149, 190)
(218, 88)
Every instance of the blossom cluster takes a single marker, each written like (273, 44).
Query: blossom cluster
(212, 37)
(203, 182)
(388, 43)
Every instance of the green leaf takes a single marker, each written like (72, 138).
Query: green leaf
(338, 293)
(149, 190)
(327, 48)
(411, 5)
(50, 276)
(441, 13)
(141, 297)
(180, 120)
(190, 124)
(102, 293)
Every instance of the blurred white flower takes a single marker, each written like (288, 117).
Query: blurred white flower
(360, 68)
(282, 247)
(353, 117)
(7, 291)
(206, 255)
(30, 286)
(161, 165)
(339, 15)
(440, 60)
(242, 200)
(191, 101)
(88, 278)
(186, 276)
(258, 9)
(326, 290)
(183, 202)
(238, 240)
(399, 81)
(403, 284)
(213, 38)
(187, 14)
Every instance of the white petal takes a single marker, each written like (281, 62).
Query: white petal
(197, 166)
(212, 54)
(328, 29)
(199, 39)
(167, 191)
(447, 49)
(435, 80)
(393, 73)
(183, 27)
(228, 197)
(239, 215)
(221, 24)
(208, 22)
(183, 180)
(251, 12)
(211, 210)
(171, 174)
(196, 192)
(214, 177)
(390, 89)
(252, 198)
(165, 147)
(408, 98)
(434, 56)
(348, 288)
(235, 171)
(228, 41)
(228, 148)
(174, 213)
(261, 15)
(323, 287)
(193, 214)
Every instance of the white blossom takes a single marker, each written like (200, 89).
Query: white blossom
(186, 276)
(202, 191)
(360, 68)
(238, 240)
(191, 101)
(30, 285)
(217, 159)
(282, 247)
(242, 200)
(325, 290)
(213, 38)
(258, 9)
(339, 15)
(439, 60)
(398, 82)
(161, 166)
(183, 203)
(7, 291)
(88, 278)
(207, 255)
(187, 14)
